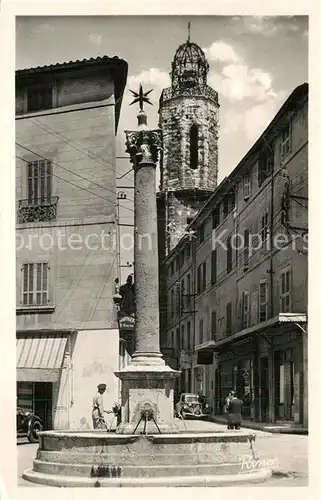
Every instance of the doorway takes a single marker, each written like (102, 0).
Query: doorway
(37, 398)
(43, 403)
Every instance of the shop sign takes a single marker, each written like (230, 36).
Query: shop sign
(127, 323)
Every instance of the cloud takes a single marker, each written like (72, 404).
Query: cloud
(262, 25)
(253, 120)
(95, 39)
(44, 28)
(236, 81)
(153, 76)
(267, 26)
(220, 51)
(257, 118)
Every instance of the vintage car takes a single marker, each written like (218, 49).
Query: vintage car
(192, 406)
(29, 425)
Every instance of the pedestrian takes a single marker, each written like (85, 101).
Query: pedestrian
(234, 418)
(98, 408)
(227, 402)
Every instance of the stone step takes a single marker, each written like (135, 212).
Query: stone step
(202, 457)
(88, 470)
(253, 477)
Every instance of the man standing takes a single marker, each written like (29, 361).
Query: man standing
(98, 408)
(234, 418)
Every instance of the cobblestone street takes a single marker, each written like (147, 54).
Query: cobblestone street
(288, 454)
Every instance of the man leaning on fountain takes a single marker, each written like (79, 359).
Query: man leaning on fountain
(98, 408)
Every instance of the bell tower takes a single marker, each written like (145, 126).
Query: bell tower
(188, 117)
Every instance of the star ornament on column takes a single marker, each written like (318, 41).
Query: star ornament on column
(141, 97)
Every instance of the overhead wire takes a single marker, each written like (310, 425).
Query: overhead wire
(70, 289)
(103, 283)
(79, 187)
(68, 170)
(90, 154)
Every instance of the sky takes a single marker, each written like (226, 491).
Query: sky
(255, 64)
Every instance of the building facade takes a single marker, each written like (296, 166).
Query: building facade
(236, 287)
(67, 333)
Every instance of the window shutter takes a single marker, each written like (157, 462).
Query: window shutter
(246, 249)
(214, 266)
(204, 276)
(213, 326)
(199, 269)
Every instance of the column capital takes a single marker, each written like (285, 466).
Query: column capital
(143, 146)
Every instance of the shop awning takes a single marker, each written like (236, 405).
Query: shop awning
(205, 352)
(282, 318)
(40, 357)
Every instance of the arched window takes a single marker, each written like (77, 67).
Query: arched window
(193, 144)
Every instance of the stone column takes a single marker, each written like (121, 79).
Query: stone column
(147, 383)
(146, 251)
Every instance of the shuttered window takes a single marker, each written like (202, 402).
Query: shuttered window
(246, 185)
(35, 284)
(263, 301)
(245, 310)
(189, 340)
(39, 183)
(201, 331)
(213, 326)
(264, 226)
(229, 255)
(286, 291)
(214, 267)
(229, 318)
(246, 249)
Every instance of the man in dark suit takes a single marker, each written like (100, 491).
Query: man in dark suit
(234, 409)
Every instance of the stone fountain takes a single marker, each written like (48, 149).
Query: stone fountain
(147, 449)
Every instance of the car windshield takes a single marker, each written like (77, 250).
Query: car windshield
(191, 398)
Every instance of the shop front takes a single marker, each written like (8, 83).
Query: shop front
(267, 367)
(235, 372)
(288, 381)
(40, 360)
(204, 371)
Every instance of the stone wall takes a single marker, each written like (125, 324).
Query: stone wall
(80, 245)
(176, 118)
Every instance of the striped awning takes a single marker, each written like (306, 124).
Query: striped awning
(40, 357)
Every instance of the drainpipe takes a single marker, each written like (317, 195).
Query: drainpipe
(271, 272)
(194, 306)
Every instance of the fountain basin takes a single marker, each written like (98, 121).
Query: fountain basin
(101, 459)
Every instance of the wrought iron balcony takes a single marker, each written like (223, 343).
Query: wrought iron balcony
(38, 210)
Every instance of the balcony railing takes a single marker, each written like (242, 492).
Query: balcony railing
(37, 210)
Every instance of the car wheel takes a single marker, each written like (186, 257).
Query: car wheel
(34, 432)
(183, 414)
